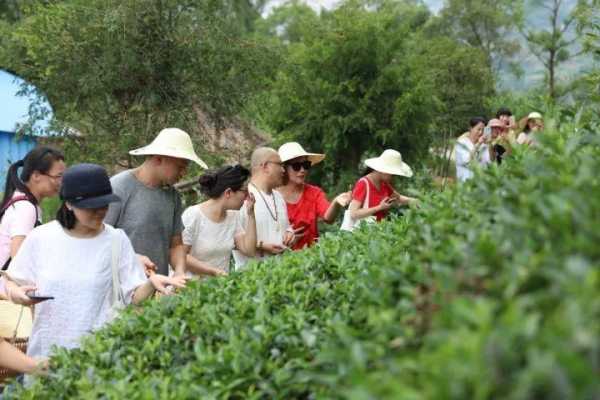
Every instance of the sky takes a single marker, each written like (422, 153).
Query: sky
(13, 109)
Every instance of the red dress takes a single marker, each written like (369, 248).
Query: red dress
(311, 206)
(375, 196)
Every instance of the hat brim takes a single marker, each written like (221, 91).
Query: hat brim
(96, 202)
(401, 170)
(155, 151)
(314, 158)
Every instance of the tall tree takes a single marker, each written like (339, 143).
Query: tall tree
(120, 70)
(553, 44)
(489, 25)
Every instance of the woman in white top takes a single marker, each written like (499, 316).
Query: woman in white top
(213, 228)
(41, 173)
(71, 260)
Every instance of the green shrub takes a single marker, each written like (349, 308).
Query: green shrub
(489, 290)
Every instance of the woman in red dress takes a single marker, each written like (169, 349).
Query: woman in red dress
(306, 203)
(382, 195)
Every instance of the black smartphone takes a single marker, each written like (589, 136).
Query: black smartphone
(40, 297)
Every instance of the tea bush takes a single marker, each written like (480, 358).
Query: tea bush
(488, 290)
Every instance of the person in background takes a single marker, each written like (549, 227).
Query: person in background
(471, 148)
(534, 123)
(273, 232)
(20, 212)
(306, 203)
(150, 212)
(506, 117)
(213, 228)
(501, 146)
(71, 260)
(378, 183)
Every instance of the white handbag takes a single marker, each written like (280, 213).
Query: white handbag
(349, 223)
(117, 302)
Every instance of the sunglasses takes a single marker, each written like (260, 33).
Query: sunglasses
(300, 164)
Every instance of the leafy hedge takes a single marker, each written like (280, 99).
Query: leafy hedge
(489, 290)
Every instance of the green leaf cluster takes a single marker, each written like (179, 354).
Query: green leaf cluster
(488, 290)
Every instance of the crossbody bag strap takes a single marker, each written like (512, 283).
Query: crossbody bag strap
(117, 296)
(366, 202)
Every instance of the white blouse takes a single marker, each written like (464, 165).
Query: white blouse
(78, 273)
(211, 242)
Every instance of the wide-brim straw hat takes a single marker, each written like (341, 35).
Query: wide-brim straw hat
(390, 162)
(171, 142)
(289, 151)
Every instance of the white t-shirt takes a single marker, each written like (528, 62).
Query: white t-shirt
(211, 242)
(463, 153)
(18, 220)
(270, 212)
(78, 273)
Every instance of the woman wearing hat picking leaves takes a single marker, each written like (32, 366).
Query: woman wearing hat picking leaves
(373, 195)
(534, 123)
(79, 269)
(306, 203)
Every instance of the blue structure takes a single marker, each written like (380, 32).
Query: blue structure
(13, 148)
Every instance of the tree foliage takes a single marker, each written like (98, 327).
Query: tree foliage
(119, 71)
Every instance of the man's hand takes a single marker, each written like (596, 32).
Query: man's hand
(274, 249)
(149, 267)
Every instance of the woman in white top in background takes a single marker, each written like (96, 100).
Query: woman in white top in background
(70, 259)
(213, 228)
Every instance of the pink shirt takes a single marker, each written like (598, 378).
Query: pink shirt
(18, 220)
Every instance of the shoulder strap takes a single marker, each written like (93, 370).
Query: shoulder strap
(117, 296)
(17, 199)
(366, 202)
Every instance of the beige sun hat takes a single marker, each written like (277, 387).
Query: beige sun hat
(290, 150)
(390, 162)
(171, 142)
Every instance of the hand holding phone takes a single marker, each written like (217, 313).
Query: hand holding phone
(38, 297)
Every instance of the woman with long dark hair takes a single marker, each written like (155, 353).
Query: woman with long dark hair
(40, 177)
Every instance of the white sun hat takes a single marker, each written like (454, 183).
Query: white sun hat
(171, 142)
(390, 162)
(290, 150)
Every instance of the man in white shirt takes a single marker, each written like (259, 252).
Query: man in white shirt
(273, 232)
(471, 148)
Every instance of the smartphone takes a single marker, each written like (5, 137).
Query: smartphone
(40, 298)
(487, 131)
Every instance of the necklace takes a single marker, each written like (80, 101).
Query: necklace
(274, 214)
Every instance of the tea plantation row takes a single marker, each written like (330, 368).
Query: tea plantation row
(487, 291)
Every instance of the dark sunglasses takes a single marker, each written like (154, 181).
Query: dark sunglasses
(300, 164)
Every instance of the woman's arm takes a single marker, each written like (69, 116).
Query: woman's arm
(156, 282)
(336, 206)
(15, 244)
(14, 360)
(357, 212)
(201, 268)
(246, 242)
(405, 200)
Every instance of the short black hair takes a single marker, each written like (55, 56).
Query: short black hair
(214, 183)
(475, 120)
(503, 111)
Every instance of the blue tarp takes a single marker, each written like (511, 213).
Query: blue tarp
(13, 148)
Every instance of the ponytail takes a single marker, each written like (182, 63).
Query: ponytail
(39, 159)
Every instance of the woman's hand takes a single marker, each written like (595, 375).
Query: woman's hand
(149, 267)
(250, 201)
(271, 248)
(344, 199)
(18, 294)
(160, 282)
(386, 204)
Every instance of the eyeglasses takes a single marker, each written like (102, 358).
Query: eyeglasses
(297, 165)
(55, 177)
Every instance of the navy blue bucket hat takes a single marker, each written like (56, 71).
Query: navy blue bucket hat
(87, 186)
